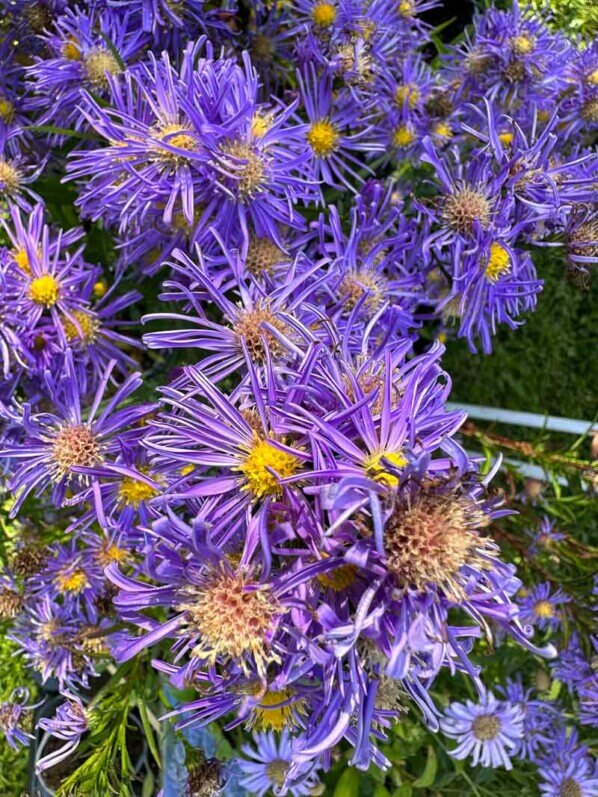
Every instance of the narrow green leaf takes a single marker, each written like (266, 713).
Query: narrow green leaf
(149, 732)
(61, 131)
(428, 776)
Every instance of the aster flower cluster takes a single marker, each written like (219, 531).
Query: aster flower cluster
(265, 493)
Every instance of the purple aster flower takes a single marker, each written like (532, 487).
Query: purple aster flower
(572, 666)
(17, 171)
(196, 142)
(57, 447)
(268, 325)
(70, 577)
(580, 96)
(270, 767)
(512, 56)
(13, 719)
(336, 134)
(541, 720)
(85, 46)
(247, 444)
(541, 609)
(225, 616)
(69, 724)
(545, 537)
(57, 642)
(489, 731)
(495, 284)
(575, 777)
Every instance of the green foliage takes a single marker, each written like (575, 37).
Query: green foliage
(572, 16)
(105, 764)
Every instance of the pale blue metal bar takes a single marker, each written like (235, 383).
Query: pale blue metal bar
(551, 423)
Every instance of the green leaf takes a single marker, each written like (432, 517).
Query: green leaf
(555, 689)
(381, 791)
(428, 776)
(149, 732)
(149, 784)
(404, 790)
(348, 784)
(61, 131)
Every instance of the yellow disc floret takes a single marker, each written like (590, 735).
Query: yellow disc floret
(7, 110)
(74, 581)
(544, 610)
(323, 14)
(407, 93)
(9, 177)
(99, 63)
(262, 457)
(276, 710)
(403, 136)
(99, 289)
(21, 258)
(71, 50)
(133, 491)
(44, 290)
(499, 262)
(84, 326)
(377, 466)
(322, 138)
(523, 45)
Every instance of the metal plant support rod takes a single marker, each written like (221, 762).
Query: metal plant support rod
(551, 423)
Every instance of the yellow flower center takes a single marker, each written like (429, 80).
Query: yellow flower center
(7, 110)
(506, 138)
(544, 609)
(44, 290)
(499, 262)
(110, 552)
(71, 49)
(270, 715)
(99, 63)
(9, 177)
(323, 14)
(443, 130)
(276, 771)
(186, 470)
(262, 256)
(403, 136)
(592, 78)
(74, 581)
(339, 579)
(376, 467)
(86, 329)
(175, 136)
(133, 491)
(322, 138)
(21, 258)
(406, 8)
(99, 289)
(260, 124)
(264, 455)
(523, 45)
(251, 173)
(407, 92)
